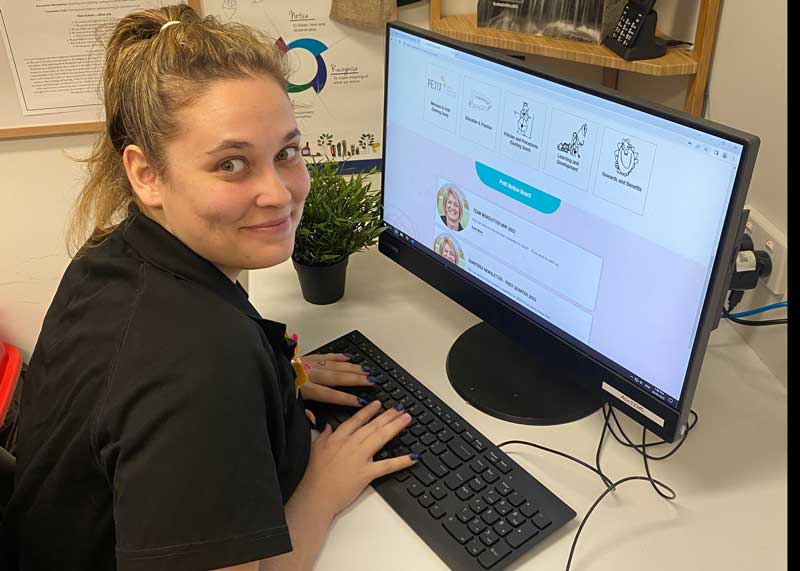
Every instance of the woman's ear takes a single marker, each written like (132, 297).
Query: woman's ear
(145, 182)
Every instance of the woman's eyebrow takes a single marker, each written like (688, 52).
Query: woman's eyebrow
(235, 144)
(230, 144)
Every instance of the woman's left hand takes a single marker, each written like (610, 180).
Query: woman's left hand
(333, 370)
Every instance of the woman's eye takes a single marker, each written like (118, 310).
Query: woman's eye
(288, 153)
(233, 166)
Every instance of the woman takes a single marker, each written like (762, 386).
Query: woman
(161, 427)
(448, 250)
(453, 209)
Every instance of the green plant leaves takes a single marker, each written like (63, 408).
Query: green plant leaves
(342, 215)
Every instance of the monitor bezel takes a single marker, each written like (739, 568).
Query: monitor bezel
(490, 307)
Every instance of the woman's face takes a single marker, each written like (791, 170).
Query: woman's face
(235, 182)
(448, 252)
(452, 208)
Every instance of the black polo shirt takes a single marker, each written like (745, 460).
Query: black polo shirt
(160, 427)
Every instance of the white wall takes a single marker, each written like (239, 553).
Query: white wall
(747, 91)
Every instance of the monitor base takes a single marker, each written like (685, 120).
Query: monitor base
(497, 376)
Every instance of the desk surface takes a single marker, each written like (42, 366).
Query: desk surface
(730, 475)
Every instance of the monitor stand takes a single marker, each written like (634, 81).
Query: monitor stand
(498, 376)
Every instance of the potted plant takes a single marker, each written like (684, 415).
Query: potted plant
(342, 216)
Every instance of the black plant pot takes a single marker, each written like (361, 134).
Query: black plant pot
(322, 284)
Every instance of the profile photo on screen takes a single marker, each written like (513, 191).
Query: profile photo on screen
(447, 247)
(453, 208)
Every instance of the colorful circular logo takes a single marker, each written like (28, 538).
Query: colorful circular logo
(315, 47)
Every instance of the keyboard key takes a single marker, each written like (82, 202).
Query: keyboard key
(476, 526)
(504, 466)
(521, 534)
(489, 537)
(477, 484)
(437, 512)
(435, 465)
(438, 491)
(491, 497)
(491, 556)
(504, 488)
(423, 475)
(418, 430)
(402, 475)
(408, 439)
(479, 465)
(438, 448)
(515, 499)
(492, 456)
(475, 547)
(415, 489)
(445, 435)
(515, 518)
(461, 449)
(490, 516)
(503, 507)
(528, 509)
(490, 476)
(478, 445)
(425, 500)
(477, 505)
(465, 515)
(457, 427)
(468, 435)
(457, 529)
(435, 426)
(502, 527)
(451, 460)
(464, 493)
(428, 439)
(425, 418)
(541, 521)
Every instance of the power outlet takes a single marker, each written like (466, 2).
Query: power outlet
(768, 238)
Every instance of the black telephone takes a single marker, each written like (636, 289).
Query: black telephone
(634, 38)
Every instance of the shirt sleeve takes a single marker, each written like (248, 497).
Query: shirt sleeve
(184, 438)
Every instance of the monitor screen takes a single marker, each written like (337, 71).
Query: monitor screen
(598, 219)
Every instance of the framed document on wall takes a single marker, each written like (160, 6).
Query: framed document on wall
(51, 58)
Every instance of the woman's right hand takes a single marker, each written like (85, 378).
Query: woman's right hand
(341, 464)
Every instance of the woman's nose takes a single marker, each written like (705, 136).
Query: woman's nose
(272, 190)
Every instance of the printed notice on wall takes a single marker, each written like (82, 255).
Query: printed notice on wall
(336, 81)
(56, 49)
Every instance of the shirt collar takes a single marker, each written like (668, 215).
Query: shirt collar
(159, 247)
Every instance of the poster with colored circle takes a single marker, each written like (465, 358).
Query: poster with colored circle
(453, 207)
(447, 247)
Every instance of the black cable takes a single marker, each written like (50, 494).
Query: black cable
(762, 323)
(641, 448)
(599, 499)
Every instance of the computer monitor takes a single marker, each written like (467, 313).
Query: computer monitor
(593, 234)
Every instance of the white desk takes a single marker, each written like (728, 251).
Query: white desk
(730, 476)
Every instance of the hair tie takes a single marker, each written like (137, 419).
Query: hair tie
(168, 24)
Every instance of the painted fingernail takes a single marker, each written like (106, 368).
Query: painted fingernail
(399, 406)
(415, 456)
(348, 355)
(366, 368)
(372, 379)
(362, 401)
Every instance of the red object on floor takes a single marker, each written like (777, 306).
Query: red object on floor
(10, 366)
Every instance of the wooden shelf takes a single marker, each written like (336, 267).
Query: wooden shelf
(677, 61)
(694, 63)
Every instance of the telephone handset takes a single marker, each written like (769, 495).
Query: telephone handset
(634, 38)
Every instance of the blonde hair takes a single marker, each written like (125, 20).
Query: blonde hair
(447, 240)
(454, 192)
(150, 73)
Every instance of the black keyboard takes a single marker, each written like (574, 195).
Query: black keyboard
(471, 503)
